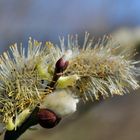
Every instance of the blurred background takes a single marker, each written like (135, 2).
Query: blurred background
(116, 118)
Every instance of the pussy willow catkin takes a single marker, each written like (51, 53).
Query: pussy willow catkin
(93, 70)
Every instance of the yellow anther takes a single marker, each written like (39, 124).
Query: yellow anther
(49, 44)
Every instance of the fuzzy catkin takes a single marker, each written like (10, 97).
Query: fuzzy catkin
(100, 69)
(103, 71)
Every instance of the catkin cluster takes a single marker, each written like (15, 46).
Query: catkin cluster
(94, 70)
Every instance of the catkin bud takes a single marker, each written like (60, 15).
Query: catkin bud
(47, 118)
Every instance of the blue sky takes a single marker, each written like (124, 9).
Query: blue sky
(44, 19)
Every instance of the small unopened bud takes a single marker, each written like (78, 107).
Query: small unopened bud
(47, 118)
(61, 65)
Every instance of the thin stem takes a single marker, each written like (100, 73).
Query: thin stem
(15, 134)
